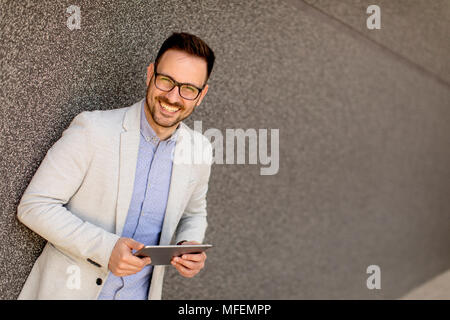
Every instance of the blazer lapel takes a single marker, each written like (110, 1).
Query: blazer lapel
(129, 147)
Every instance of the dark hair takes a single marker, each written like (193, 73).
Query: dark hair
(191, 44)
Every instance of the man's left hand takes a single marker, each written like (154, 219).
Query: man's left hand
(189, 264)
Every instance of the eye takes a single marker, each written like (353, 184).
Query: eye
(189, 88)
(165, 79)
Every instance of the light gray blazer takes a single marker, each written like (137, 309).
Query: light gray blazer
(78, 200)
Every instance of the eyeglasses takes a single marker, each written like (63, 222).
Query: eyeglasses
(186, 90)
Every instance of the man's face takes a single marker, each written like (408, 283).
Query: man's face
(181, 67)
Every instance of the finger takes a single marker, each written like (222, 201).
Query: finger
(189, 264)
(127, 269)
(126, 273)
(193, 257)
(184, 271)
(135, 261)
(191, 242)
(133, 244)
(130, 268)
(146, 260)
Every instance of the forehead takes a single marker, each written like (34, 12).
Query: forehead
(183, 67)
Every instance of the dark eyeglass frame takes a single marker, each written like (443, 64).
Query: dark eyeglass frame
(177, 84)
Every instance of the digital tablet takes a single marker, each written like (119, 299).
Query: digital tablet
(162, 255)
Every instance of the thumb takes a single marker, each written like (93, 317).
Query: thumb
(133, 244)
(191, 242)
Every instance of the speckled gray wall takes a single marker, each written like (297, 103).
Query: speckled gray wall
(364, 136)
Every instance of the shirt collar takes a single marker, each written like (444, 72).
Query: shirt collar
(148, 132)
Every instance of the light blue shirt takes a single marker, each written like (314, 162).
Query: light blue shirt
(146, 212)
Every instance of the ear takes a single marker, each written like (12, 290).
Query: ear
(202, 95)
(150, 70)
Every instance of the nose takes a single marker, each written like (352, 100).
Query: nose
(173, 96)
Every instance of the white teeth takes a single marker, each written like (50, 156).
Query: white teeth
(170, 109)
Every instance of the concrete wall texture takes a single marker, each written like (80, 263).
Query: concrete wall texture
(364, 120)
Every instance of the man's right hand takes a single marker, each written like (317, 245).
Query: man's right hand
(122, 261)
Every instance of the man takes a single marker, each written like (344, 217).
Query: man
(120, 179)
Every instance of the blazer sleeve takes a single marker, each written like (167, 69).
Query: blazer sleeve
(57, 179)
(193, 223)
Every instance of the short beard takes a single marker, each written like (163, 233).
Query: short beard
(152, 112)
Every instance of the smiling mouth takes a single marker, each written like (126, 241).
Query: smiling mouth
(168, 109)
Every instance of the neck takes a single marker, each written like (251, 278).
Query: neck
(162, 132)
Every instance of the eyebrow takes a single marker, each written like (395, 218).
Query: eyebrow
(191, 84)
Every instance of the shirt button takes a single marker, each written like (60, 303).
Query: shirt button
(99, 281)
